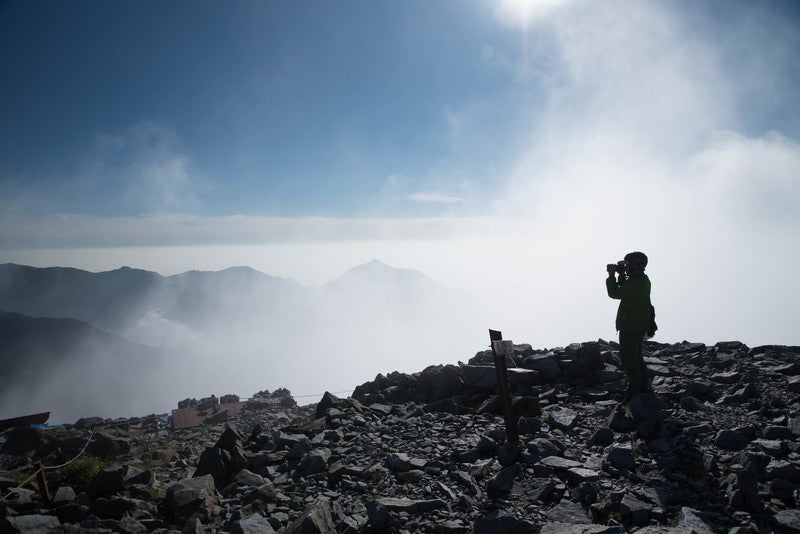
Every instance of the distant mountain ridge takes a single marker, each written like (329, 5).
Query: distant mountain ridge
(31, 343)
(59, 292)
(111, 298)
(33, 346)
(130, 337)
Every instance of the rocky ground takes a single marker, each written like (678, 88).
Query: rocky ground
(713, 449)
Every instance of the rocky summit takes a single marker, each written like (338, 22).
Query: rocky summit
(714, 448)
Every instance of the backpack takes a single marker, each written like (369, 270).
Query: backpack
(653, 326)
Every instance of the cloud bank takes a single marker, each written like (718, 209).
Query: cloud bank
(641, 135)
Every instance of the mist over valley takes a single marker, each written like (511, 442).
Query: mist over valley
(129, 342)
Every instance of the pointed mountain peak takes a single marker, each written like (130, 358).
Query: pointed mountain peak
(377, 268)
(377, 273)
(373, 266)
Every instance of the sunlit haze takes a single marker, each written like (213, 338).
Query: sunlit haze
(507, 151)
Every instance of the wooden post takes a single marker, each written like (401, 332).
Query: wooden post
(42, 483)
(499, 350)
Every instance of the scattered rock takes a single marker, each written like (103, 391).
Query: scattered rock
(428, 452)
(501, 484)
(568, 512)
(255, 524)
(191, 496)
(730, 440)
(500, 523)
(621, 457)
(317, 519)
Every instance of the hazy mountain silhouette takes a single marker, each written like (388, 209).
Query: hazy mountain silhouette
(376, 280)
(28, 344)
(53, 364)
(106, 299)
(123, 337)
(203, 299)
(118, 299)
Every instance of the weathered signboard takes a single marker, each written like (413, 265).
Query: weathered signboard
(500, 349)
(503, 347)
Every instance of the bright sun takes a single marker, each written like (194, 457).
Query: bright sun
(521, 12)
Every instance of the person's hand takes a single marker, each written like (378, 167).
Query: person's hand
(611, 268)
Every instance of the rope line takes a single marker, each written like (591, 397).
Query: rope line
(14, 490)
(65, 464)
(321, 394)
(48, 468)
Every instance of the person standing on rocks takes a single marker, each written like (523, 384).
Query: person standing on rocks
(634, 316)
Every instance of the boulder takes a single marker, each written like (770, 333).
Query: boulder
(317, 519)
(245, 477)
(787, 521)
(411, 506)
(527, 406)
(328, 401)
(380, 519)
(620, 421)
(109, 481)
(480, 377)
(586, 357)
(500, 485)
(603, 436)
(621, 457)
(191, 496)
(214, 462)
(107, 446)
(313, 462)
(501, 523)
(646, 407)
(691, 520)
(529, 425)
(521, 379)
(31, 523)
(730, 440)
(438, 382)
(562, 418)
(634, 510)
(568, 512)
(23, 440)
(64, 495)
(545, 365)
(543, 447)
(254, 524)
(398, 462)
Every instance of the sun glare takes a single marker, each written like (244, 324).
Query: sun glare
(521, 12)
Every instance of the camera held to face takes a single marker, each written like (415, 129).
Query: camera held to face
(618, 267)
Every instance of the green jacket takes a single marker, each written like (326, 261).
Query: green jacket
(634, 312)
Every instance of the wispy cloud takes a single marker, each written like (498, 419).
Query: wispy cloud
(435, 197)
(142, 169)
(68, 231)
(643, 145)
(146, 166)
(639, 140)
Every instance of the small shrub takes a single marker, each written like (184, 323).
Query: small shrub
(82, 471)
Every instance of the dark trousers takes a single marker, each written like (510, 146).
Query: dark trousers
(630, 353)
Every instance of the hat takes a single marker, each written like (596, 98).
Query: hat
(636, 259)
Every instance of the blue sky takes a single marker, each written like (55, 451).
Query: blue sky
(308, 108)
(480, 142)
(299, 108)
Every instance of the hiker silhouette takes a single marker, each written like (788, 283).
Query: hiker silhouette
(631, 286)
